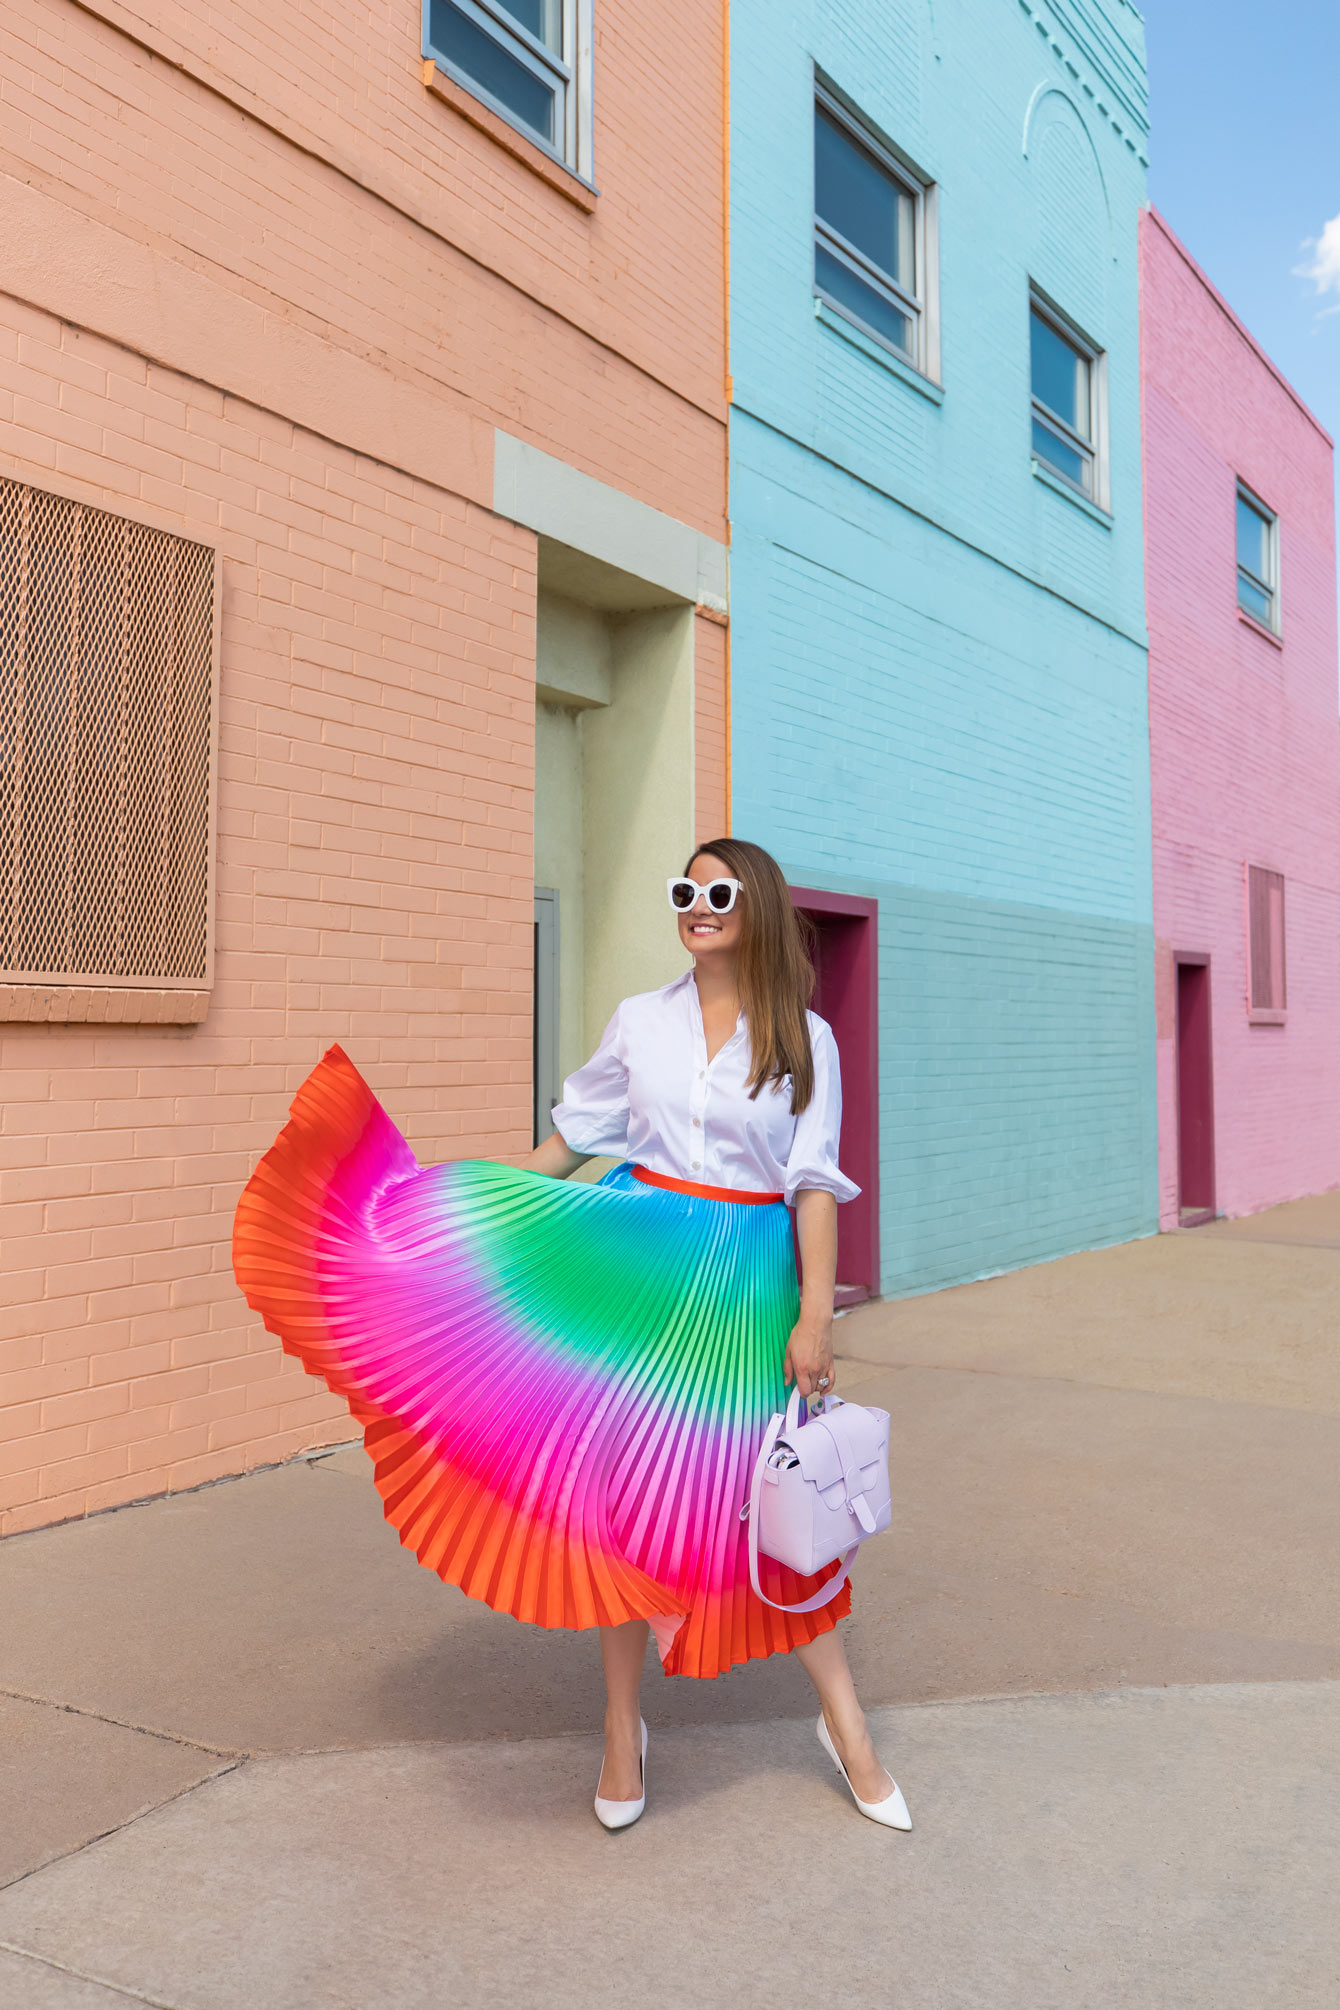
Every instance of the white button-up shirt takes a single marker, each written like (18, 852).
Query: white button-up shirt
(649, 1094)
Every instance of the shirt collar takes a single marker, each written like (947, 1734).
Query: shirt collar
(678, 984)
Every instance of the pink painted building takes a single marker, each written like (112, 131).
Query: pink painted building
(1245, 753)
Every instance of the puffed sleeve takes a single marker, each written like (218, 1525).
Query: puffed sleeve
(813, 1158)
(593, 1115)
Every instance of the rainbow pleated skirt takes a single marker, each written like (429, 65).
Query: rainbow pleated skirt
(562, 1388)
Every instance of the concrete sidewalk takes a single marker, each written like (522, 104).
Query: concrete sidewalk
(255, 1756)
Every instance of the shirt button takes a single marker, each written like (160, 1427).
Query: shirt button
(696, 1166)
(698, 1122)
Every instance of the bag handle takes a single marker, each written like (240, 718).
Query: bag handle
(834, 1584)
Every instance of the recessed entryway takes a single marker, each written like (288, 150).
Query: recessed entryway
(1195, 1092)
(614, 752)
(846, 995)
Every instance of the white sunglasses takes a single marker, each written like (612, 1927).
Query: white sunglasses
(718, 893)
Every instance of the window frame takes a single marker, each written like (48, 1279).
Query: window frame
(569, 72)
(921, 306)
(1093, 449)
(1271, 587)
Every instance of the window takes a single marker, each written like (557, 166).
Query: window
(525, 58)
(106, 721)
(1258, 560)
(870, 235)
(1265, 939)
(1067, 385)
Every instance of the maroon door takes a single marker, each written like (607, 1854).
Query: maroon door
(1195, 1094)
(846, 995)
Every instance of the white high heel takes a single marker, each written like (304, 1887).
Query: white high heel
(891, 1812)
(622, 1814)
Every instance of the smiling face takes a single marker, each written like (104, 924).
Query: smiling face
(708, 935)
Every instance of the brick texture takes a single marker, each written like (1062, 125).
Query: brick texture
(292, 156)
(1244, 740)
(284, 165)
(938, 666)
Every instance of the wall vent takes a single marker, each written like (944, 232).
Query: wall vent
(1265, 934)
(106, 738)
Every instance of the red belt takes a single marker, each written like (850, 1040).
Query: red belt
(704, 1192)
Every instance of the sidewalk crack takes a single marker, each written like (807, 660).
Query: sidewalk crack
(115, 1829)
(125, 1724)
(82, 1975)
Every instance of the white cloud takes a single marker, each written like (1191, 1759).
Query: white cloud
(1323, 266)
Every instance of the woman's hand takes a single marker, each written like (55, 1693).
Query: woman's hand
(809, 1355)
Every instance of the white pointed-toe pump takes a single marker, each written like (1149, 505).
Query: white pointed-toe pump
(622, 1814)
(891, 1812)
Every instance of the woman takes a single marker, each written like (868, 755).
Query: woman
(564, 1388)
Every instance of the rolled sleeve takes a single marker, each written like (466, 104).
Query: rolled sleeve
(593, 1115)
(813, 1158)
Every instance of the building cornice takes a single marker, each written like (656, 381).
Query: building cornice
(1098, 63)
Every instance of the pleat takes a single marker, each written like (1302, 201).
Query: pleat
(562, 1388)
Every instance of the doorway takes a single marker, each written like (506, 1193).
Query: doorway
(1195, 1093)
(846, 995)
(613, 801)
(546, 1081)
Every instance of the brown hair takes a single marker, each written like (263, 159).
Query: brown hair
(774, 972)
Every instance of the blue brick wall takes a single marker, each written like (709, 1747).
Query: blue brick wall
(938, 660)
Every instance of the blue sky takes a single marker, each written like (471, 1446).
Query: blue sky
(1245, 166)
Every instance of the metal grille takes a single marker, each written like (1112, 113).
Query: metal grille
(106, 689)
(1265, 924)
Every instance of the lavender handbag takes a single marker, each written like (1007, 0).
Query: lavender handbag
(820, 1487)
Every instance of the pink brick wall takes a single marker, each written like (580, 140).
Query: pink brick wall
(262, 288)
(1245, 745)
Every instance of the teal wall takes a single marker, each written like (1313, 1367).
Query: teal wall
(938, 656)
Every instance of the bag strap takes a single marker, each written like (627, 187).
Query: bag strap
(834, 1584)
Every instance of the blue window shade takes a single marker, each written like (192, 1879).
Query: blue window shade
(1252, 539)
(1060, 376)
(840, 283)
(1055, 452)
(1254, 600)
(861, 201)
(478, 56)
(1256, 566)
